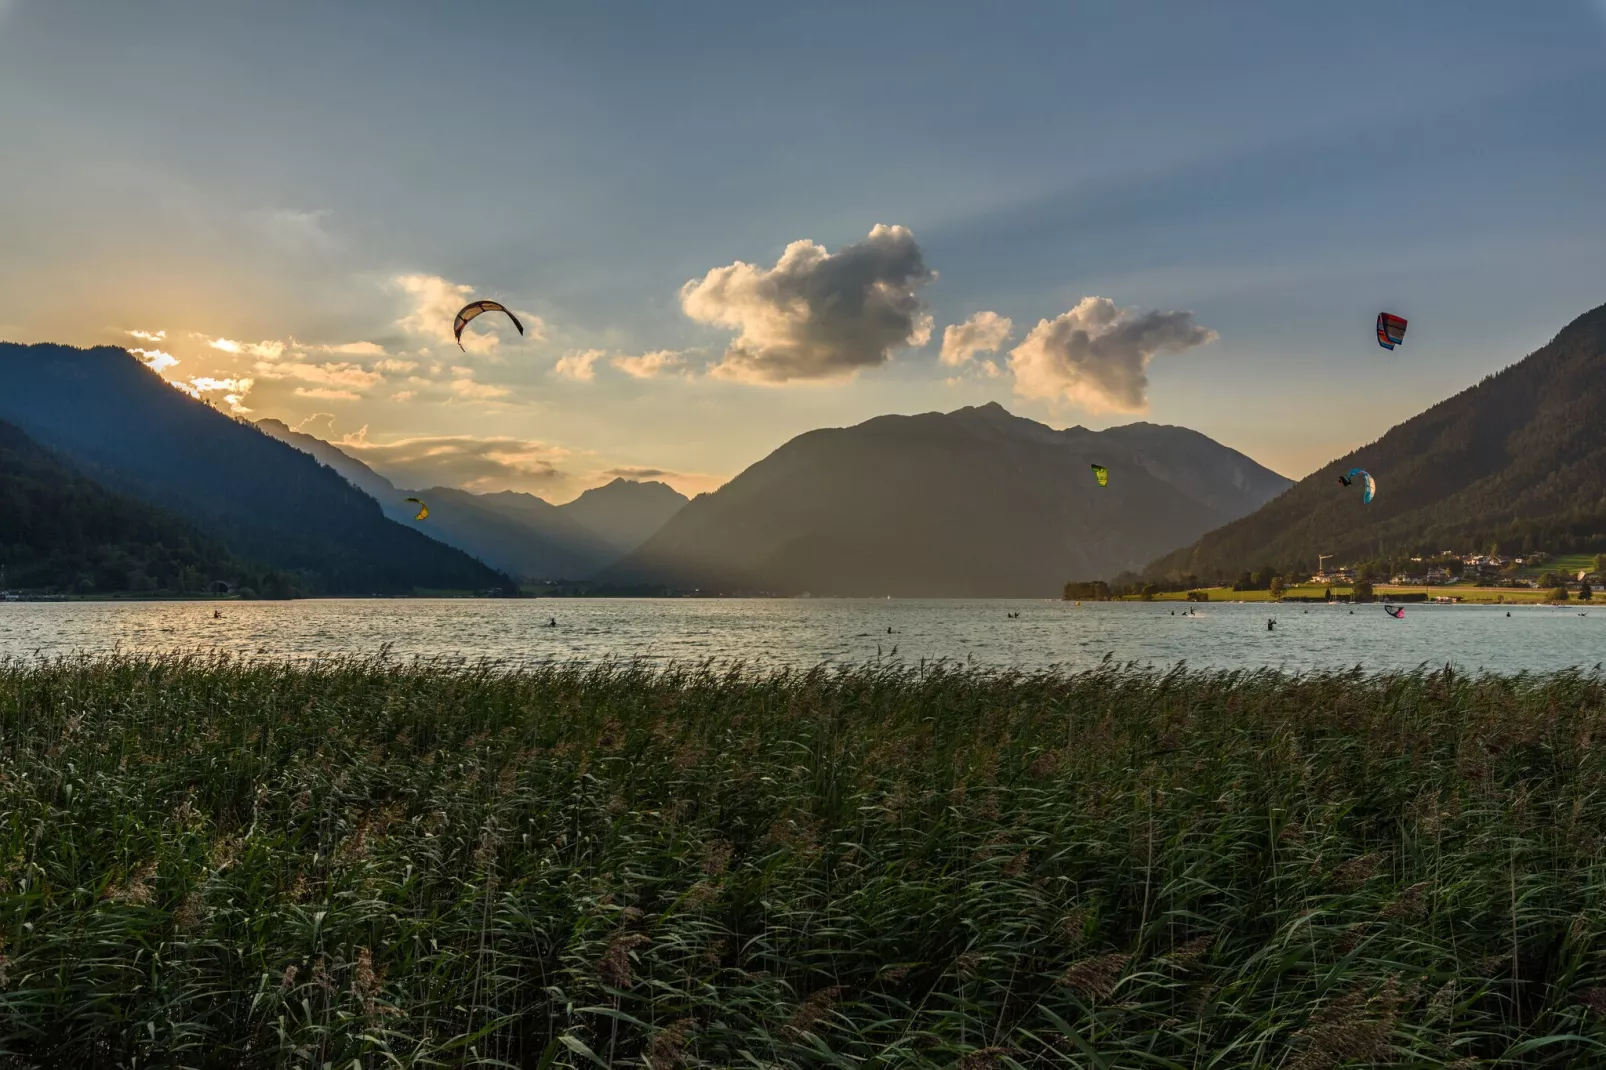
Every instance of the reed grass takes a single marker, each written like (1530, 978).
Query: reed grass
(213, 862)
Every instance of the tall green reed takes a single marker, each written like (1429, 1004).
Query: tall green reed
(212, 862)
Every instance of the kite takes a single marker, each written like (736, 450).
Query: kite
(1368, 484)
(479, 307)
(1390, 330)
(423, 510)
(1396, 612)
(1101, 473)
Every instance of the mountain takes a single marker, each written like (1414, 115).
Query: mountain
(1518, 460)
(971, 503)
(520, 534)
(625, 513)
(355, 472)
(121, 424)
(61, 530)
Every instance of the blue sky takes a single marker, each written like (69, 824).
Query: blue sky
(290, 193)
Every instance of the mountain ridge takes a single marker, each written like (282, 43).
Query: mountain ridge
(520, 533)
(1517, 459)
(972, 503)
(61, 530)
(124, 426)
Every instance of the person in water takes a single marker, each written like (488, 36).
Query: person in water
(1271, 625)
(552, 623)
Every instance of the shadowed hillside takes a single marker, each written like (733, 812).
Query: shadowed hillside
(972, 503)
(61, 530)
(625, 512)
(1518, 460)
(123, 425)
(520, 534)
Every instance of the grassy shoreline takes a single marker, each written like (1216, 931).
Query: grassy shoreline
(217, 863)
(1510, 596)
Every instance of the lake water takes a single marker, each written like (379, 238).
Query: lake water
(806, 632)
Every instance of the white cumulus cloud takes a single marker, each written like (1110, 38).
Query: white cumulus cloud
(233, 390)
(816, 314)
(435, 304)
(984, 332)
(155, 359)
(1098, 354)
(650, 365)
(147, 336)
(578, 366)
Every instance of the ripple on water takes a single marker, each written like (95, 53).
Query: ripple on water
(802, 632)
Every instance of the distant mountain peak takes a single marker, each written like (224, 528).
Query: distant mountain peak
(971, 503)
(625, 512)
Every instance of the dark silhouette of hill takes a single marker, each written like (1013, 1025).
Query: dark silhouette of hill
(61, 530)
(626, 512)
(520, 534)
(124, 426)
(355, 472)
(971, 503)
(1518, 460)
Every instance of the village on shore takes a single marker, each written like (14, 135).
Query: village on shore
(1447, 577)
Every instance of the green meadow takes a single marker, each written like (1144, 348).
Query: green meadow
(1468, 594)
(216, 863)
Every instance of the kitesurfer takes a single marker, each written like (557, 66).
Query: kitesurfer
(479, 308)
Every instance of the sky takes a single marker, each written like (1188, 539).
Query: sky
(725, 224)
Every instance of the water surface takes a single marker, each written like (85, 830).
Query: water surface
(806, 632)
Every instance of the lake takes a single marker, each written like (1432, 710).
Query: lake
(806, 632)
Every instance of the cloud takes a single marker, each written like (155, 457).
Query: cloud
(390, 366)
(324, 393)
(816, 314)
(206, 384)
(1097, 354)
(649, 365)
(233, 390)
(436, 302)
(271, 350)
(469, 390)
(155, 359)
(147, 336)
(985, 332)
(295, 231)
(578, 365)
(480, 464)
(353, 349)
(638, 473)
(319, 424)
(341, 376)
